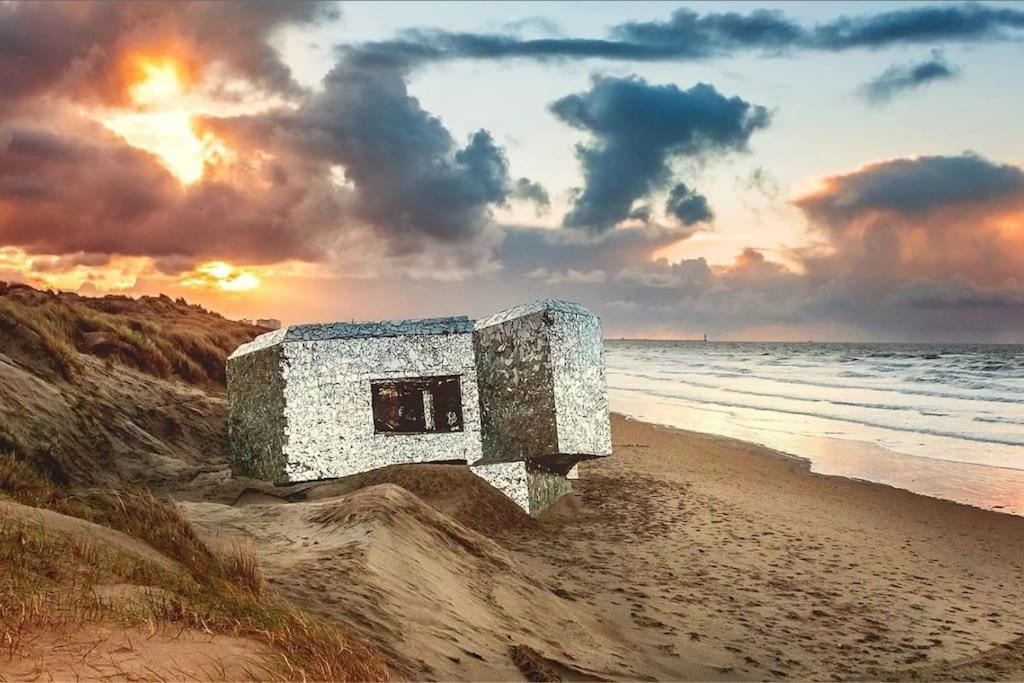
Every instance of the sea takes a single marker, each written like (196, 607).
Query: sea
(940, 420)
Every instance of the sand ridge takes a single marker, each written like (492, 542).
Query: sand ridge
(682, 557)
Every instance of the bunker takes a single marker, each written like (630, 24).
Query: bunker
(519, 396)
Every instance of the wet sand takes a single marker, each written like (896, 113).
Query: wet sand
(683, 556)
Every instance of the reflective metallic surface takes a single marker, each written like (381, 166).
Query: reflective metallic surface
(531, 381)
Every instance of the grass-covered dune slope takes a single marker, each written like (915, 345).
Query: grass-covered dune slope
(108, 390)
(107, 405)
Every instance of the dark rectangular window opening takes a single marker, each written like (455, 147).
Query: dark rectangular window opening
(417, 405)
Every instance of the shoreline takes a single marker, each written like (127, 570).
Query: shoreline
(807, 464)
(976, 484)
(683, 556)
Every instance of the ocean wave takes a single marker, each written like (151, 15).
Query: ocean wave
(896, 427)
(967, 393)
(998, 420)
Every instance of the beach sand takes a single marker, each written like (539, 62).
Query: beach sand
(682, 556)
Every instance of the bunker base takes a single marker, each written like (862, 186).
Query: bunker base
(532, 489)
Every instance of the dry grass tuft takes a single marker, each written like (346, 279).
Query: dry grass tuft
(47, 580)
(243, 569)
(142, 515)
(23, 483)
(48, 577)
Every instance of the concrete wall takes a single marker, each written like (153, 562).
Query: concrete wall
(542, 382)
(531, 489)
(516, 389)
(580, 387)
(328, 407)
(256, 421)
(534, 398)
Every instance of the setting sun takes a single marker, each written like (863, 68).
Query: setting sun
(160, 82)
(161, 121)
(222, 276)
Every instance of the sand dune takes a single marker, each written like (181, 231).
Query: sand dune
(682, 557)
(443, 600)
(98, 652)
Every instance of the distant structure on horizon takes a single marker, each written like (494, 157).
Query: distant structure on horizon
(520, 397)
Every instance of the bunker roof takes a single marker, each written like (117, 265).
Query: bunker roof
(531, 308)
(357, 330)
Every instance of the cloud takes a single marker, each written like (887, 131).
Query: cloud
(762, 181)
(905, 77)
(358, 178)
(85, 50)
(966, 22)
(930, 217)
(916, 187)
(687, 276)
(410, 180)
(568, 275)
(355, 173)
(688, 35)
(525, 249)
(68, 185)
(531, 191)
(638, 130)
(908, 248)
(687, 206)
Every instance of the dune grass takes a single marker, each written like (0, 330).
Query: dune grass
(47, 580)
(156, 335)
(48, 577)
(47, 331)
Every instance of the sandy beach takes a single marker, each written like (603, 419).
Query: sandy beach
(683, 556)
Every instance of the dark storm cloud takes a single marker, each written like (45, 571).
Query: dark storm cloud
(694, 34)
(905, 77)
(638, 130)
(688, 35)
(411, 178)
(688, 206)
(73, 206)
(916, 188)
(921, 24)
(69, 185)
(81, 49)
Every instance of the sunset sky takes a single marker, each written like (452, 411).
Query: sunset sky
(846, 171)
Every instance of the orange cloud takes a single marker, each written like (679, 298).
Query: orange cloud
(923, 217)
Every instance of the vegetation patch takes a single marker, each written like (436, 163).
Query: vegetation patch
(50, 579)
(156, 335)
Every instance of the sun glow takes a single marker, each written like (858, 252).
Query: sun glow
(222, 276)
(159, 82)
(161, 120)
